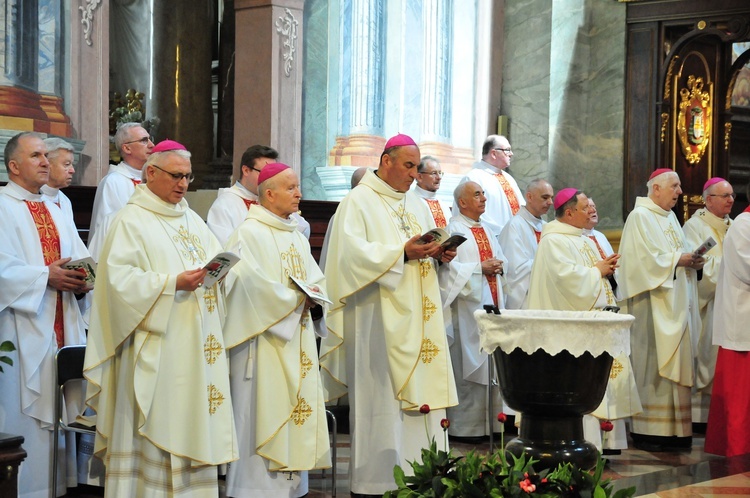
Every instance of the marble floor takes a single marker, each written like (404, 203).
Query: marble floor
(693, 473)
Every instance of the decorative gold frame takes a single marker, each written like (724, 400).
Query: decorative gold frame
(694, 119)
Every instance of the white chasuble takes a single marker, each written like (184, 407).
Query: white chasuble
(156, 360)
(285, 420)
(386, 341)
(563, 276)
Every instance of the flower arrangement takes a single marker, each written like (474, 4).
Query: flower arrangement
(442, 474)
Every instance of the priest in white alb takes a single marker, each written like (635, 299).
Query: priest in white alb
(134, 145)
(233, 203)
(275, 378)
(657, 279)
(39, 313)
(473, 279)
(156, 360)
(386, 343)
(520, 239)
(710, 221)
(428, 183)
(61, 169)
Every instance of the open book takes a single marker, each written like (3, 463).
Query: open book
(218, 267)
(312, 291)
(446, 241)
(87, 266)
(707, 245)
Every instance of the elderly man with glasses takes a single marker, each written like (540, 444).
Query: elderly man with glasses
(711, 221)
(504, 198)
(134, 145)
(429, 176)
(156, 360)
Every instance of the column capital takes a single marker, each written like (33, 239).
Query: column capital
(255, 4)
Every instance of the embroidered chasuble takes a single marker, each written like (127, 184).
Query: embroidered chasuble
(155, 354)
(49, 238)
(386, 343)
(509, 193)
(273, 354)
(437, 212)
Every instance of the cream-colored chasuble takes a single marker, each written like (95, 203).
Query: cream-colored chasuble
(288, 416)
(156, 353)
(369, 250)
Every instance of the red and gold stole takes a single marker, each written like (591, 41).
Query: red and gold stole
(485, 253)
(249, 203)
(509, 193)
(601, 251)
(437, 213)
(538, 235)
(135, 181)
(49, 238)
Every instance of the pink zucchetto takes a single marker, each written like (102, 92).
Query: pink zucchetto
(564, 196)
(712, 181)
(399, 141)
(270, 170)
(660, 171)
(166, 145)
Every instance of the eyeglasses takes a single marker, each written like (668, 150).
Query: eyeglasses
(507, 151)
(144, 141)
(177, 177)
(723, 196)
(438, 174)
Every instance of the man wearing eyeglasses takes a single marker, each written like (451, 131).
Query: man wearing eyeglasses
(429, 177)
(504, 198)
(134, 145)
(156, 359)
(232, 204)
(711, 221)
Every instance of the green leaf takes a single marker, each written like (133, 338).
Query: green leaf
(398, 475)
(7, 346)
(6, 360)
(599, 492)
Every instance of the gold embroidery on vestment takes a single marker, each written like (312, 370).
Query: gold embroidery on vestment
(191, 245)
(305, 364)
(616, 369)
(428, 309)
(215, 399)
(212, 349)
(301, 412)
(293, 263)
(429, 351)
(674, 240)
(209, 297)
(424, 267)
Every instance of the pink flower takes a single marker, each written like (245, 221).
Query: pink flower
(445, 423)
(606, 425)
(425, 409)
(501, 417)
(527, 486)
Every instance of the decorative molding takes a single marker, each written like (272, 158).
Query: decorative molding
(694, 119)
(286, 27)
(87, 18)
(727, 135)
(664, 122)
(668, 79)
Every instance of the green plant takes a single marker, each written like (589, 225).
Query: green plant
(6, 347)
(441, 474)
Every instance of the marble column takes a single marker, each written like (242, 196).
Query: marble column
(268, 78)
(360, 141)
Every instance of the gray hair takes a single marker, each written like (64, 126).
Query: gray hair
(55, 144)
(122, 134)
(153, 158)
(660, 180)
(423, 163)
(536, 182)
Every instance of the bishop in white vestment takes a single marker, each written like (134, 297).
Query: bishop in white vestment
(386, 342)
(711, 221)
(472, 280)
(156, 361)
(657, 281)
(275, 378)
(39, 313)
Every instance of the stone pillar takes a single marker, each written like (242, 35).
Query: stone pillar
(436, 84)
(268, 78)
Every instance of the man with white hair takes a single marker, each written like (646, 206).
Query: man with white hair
(113, 192)
(61, 169)
(711, 221)
(657, 281)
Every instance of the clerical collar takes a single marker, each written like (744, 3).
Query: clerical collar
(588, 232)
(469, 221)
(21, 193)
(245, 192)
(136, 174)
(492, 169)
(50, 192)
(426, 194)
(532, 220)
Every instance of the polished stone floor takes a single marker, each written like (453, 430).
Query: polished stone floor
(693, 473)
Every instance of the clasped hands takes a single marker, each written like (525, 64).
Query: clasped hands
(608, 265)
(690, 260)
(492, 266)
(417, 250)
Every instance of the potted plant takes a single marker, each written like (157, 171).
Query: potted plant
(442, 474)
